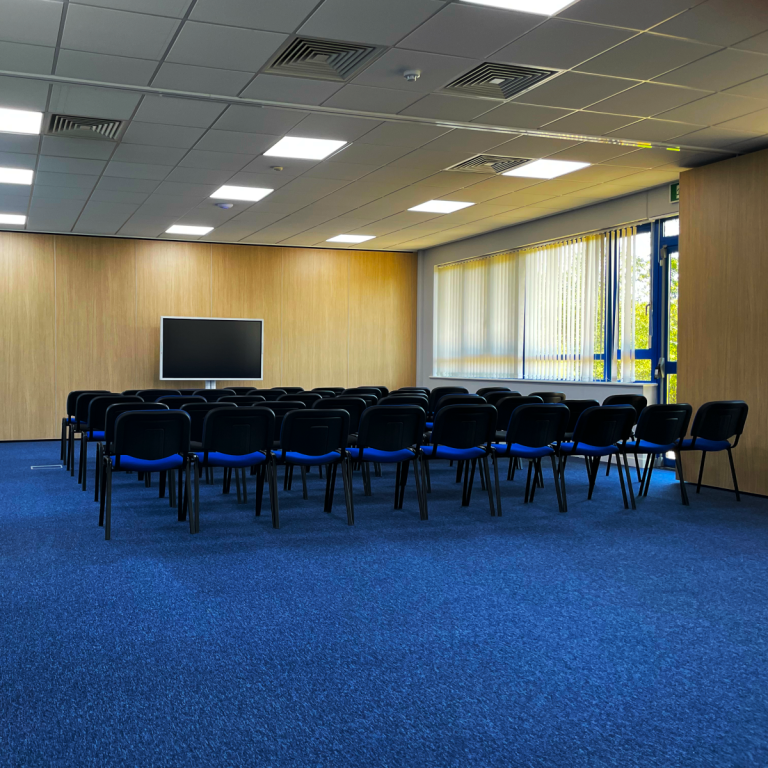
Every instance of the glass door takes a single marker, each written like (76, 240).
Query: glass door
(669, 263)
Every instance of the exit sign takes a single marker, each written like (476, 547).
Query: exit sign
(674, 192)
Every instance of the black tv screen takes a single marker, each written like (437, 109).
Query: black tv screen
(201, 348)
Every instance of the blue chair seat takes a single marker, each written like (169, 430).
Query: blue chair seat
(589, 450)
(305, 460)
(706, 445)
(382, 457)
(453, 454)
(216, 459)
(430, 424)
(643, 446)
(523, 451)
(97, 434)
(149, 465)
(71, 419)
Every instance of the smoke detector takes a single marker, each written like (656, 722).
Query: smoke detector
(412, 75)
(225, 206)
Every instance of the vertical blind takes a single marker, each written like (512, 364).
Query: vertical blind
(538, 313)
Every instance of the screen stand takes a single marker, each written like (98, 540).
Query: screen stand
(210, 384)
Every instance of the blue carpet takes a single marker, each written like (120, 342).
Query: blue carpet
(597, 638)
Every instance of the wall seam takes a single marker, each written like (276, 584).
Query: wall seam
(55, 326)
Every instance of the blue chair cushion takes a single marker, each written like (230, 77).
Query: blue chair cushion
(589, 450)
(430, 424)
(71, 419)
(311, 461)
(97, 434)
(706, 445)
(453, 454)
(382, 457)
(216, 459)
(643, 446)
(523, 451)
(146, 465)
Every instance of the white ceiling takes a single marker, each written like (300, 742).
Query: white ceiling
(693, 72)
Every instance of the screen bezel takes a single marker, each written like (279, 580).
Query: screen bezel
(230, 319)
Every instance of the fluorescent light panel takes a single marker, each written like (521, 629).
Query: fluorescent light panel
(16, 176)
(249, 194)
(12, 218)
(539, 7)
(305, 149)
(350, 238)
(20, 121)
(183, 229)
(440, 206)
(546, 169)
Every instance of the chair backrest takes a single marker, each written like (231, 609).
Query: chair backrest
(281, 407)
(335, 390)
(425, 390)
(188, 391)
(464, 426)
(72, 397)
(438, 392)
(391, 427)
(506, 407)
(151, 435)
(638, 402)
(575, 409)
(384, 390)
(308, 398)
(401, 398)
(238, 431)
(97, 409)
(213, 395)
(290, 390)
(604, 425)
(354, 406)
(325, 393)
(244, 401)
(270, 395)
(113, 411)
(664, 424)
(550, 397)
(367, 392)
(538, 424)
(241, 390)
(197, 413)
(177, 401)
(483, 391)
(495, 397)
(134, 391)
(314, 432)
(718, 420)
(458, 400)
(151, 395)
(81, 406)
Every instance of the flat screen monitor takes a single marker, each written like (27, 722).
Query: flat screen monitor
(210, 348)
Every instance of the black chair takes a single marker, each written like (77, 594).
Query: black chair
(638, 402)
(197, 413)
(384, 390)
(325, 393)
(367, 391)
(151, 395)
(599, 432)
(289, 390)
(550, 397)
(269, 395)
(660, 429)
(533, 430)
(243, 401)
(495, 397)
(189, 391)
(152, 441)
(241, 390)
(438, 392)
(463, 433)
(354, 406)
(425, 390)
(400, 398)
(483, 391)
(575, 409)
(68, 421)
(314, 438)
(237, 438)
(213, 395)
(506, 406)
(78, 426)
(335, 390)
(391, 434)
(308, 398)
(280, 409)
(135, 391)
(713, 427)
(453, 399)
(177, 401)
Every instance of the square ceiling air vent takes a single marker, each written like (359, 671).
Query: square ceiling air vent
(322, 59)
(489, 164)
(498, 81)
(84, 127)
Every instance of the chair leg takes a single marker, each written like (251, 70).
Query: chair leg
(429, 479)
(327, 503)
(108, 506)
(63, 437)
(512, 468)
(260, 477)
(161, 484)
(557, 484)
(608, 468)
(102, 499)
(733, 475)
(539, 475)
(485, 473)
(629, 477)
(621, 481)
(563, 461)
(346, 478)
(80, 460)
(528, 483)
(398, 473)
(172, 487)
(650, 474)
(71, 451)
(180, 501)
(459, 470)
(423, 470)
(469, 479)
(237, 484)
(304, 494)
(645, 475)
(190, 500)
(403, 483)
(592, 474)
(701, 471)
(273, 499)
(496, 482)
(417, 483)
(333, 473)
(637, 466)
(683, 489)
(377, 468)
(96, 473)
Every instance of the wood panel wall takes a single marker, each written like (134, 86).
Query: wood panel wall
(723, 310)
(84, 312)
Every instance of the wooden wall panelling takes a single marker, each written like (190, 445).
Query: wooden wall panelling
(246, 283)
(27, 348)
(315, 314)
(95, 315)
(171, 279)
(382, 319)
(723, 314)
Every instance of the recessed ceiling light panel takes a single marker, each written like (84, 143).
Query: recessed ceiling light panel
(12, 218)
(350, 238)
(304, 149)
(16, 176)
(546, 169)
(539, 7)
(20, 121)
(183, 229)
(440, 206)
(249, 194)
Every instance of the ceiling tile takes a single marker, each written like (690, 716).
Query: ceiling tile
(532, 146)
(183, 77)
(574, 90)
(108, 69)
(16, 160)
(411, 135)
(590, 123)
(345, 171)
(758, 43)
(654, 130)
(756, 122)
(333, 127)
(102, 218)
(71, 165)
(36, 23)
(649, 99)
(225, 161)
(430, 161)
(591, 153)
(86, 101)
(756, 89)
(561, 44)
(647, 56)
(626, 13)
(720, 22)
(61, 146)
(468, 30)
(365, 99)
(46, 215)
(171, 111)
(26, 58)
(80, 181)
(60, 193)
(471, 142)
(23, 94)
(142, 153)
(721, 70)
(127, 185)
(291, 167)
(103, 30)
(210, 45)
(173, 8)
(180, 189)
(445, 107)
(232, 141)
(10, 142)
(101, 195)
(521, 115)
(284, 16)
(715, 137)
(368, 154)
(137, 171)
(275, 122)
(713, 109)
(159, 135)
(297, 90)
(199, 175)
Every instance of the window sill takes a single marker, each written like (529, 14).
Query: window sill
(547, 381)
